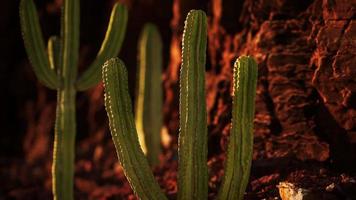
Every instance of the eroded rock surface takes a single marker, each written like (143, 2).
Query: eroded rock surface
(305, 106)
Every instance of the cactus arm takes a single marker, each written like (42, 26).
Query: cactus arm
(70, 40)
(149, 93)
(34, 44)
(123, 131)
(239, 152)
(192, 146)
(109, 48)
(54, 53)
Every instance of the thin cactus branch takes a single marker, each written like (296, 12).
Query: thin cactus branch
(149, 96)
(35, 46)
(192, 147)
(110, 47)
(239, 152)
(54, 53)
(123, 131)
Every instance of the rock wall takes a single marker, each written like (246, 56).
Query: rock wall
(305, 106)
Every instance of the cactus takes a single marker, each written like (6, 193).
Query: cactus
(149, 103)
(58, 71)
(192, 143)
(192, 147)
(123, 131)
(240, 147)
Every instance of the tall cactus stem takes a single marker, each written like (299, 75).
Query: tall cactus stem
(149, 96)
(192, 147)
(70, 39)
(64, 145)
(240, 147)
(123, 131)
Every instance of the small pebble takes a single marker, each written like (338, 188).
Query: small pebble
(330, 187)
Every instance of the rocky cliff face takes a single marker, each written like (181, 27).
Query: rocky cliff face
(306, 92)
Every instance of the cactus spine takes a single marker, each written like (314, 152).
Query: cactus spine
(192, 146)
(58, 70)
(123, 131)
(239, 152)
(149, 93)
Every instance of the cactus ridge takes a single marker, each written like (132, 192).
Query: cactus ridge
(124, 135)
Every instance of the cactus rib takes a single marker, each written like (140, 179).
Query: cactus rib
(58, 184)
(192, 147)
(123, 131)
(239, 152)
(34, 44)
(110, 47)
(148, 109)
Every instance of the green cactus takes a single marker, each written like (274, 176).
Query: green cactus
(239, 152)
(193, 138)
(123, 131)
(57, 70)
(192, 147)
(149, 98)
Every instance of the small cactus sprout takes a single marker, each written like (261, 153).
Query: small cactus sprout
(57, 69)
(123, 132)
(240, 147)
(149, 98)
(54, 53)
(192, 146)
